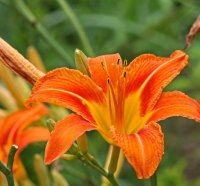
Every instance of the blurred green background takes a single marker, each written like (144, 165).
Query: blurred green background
(130, 27)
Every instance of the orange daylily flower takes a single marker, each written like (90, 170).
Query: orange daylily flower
(123, 103)
(16, 129)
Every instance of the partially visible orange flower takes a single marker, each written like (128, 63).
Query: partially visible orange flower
(123, 103)
(16, 129)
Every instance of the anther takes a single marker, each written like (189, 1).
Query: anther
(118, 60)
(125, 74)
(125, 63)
(108, 80)
(103, 66)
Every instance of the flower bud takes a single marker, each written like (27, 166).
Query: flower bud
(59, 179)
(41, 171)
(81, 61)
(50, 124)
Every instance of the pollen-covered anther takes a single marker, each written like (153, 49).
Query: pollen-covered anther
(103, 66)
(125, 64)
(125, 74)
(108, 80)
(118, 61)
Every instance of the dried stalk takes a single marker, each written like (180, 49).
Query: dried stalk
(15, 61)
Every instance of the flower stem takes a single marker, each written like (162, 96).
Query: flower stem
(7, 171)
(28, 15)
(153, 180)
(114, 160)
(99, 169)
(92, 162)
(74, 20)
(11, 156)
(104, 180)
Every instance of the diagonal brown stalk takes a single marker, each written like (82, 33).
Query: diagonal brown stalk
(15, 61)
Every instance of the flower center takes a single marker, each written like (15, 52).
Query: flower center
(116, 95)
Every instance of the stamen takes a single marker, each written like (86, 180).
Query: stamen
(112, 101)
(112, 117)
(125, 74)
(117, 74)
(125, 63)
(108, 80)
(109, 83)
(118, 60)
(121, 97)
(112, 91)
(103, 65)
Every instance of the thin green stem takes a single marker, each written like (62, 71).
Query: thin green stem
(3, 169)
(99, 169)
(23, 9)
(74, 20)
(114, 159)
(112, 180)
(92, 162)
(11, 156)
(153, 180)
(7, 171)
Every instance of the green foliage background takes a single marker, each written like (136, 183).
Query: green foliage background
(130, 27)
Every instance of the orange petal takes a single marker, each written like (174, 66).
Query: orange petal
(16, 122)
(143, 150)
(65, 133)
(31, 135)
(1, 127)
(150, 74)
(110, 68)
(68, 88)
(175, 104)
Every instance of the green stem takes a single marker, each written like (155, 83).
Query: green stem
(153, 180)
(99, 169)
(92, 162)
(74, 20)
(7, 171)
(112, 180)
(114, 159)
(28, 15)
(11, 156)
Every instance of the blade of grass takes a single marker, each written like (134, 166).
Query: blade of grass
(23, 9)
(75, 22)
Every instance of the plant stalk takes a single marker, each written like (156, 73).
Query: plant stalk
(23, 9)
(153, 179)
(114, 160)
(92, 162)
(7, 171)
(75, 22)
